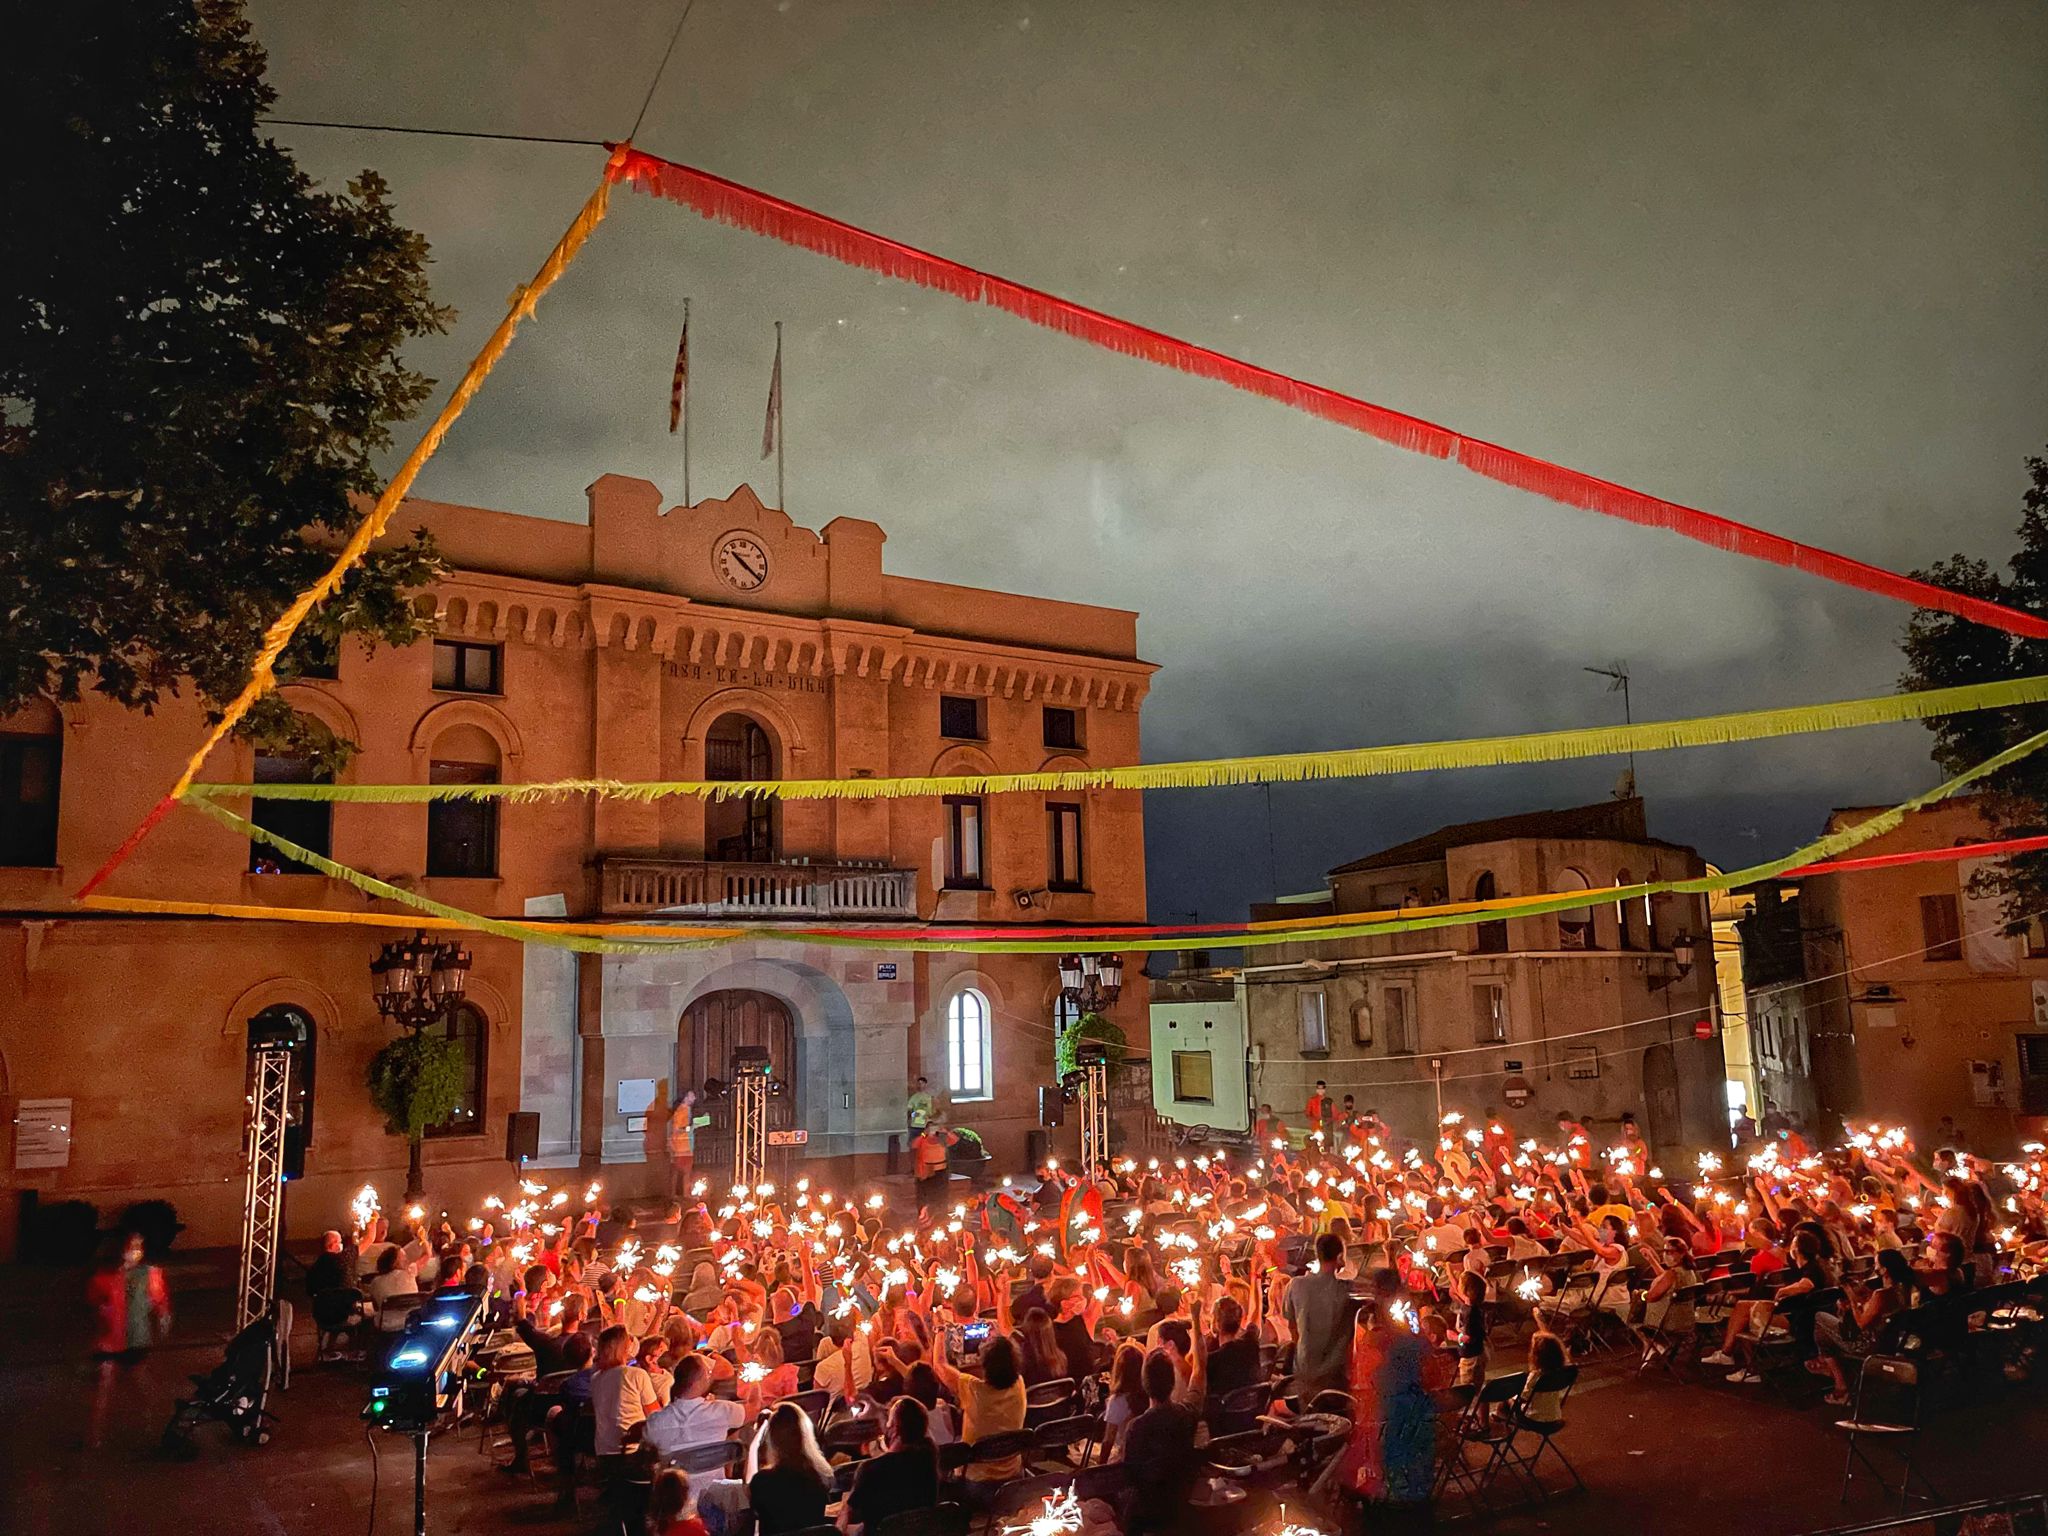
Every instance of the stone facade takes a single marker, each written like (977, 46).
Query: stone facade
(1592, 1010)
(1902, 995)
(719, 640)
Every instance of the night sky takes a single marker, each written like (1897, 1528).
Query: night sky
(1784, 263)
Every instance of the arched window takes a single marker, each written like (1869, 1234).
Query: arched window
(280, 1020)
(466, 1026)
(462, 835)
(1575, 924)
(31, 758)
(969, 1072)
(1625, 933)
(309, 823)
(1493, 936)
(738, 747)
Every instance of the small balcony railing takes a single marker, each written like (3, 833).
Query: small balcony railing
(705, 888)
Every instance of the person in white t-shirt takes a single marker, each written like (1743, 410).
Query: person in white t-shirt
(622, 1395)
(842, 1352)
(692, 1418)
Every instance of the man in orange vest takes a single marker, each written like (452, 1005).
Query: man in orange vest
(1319, 1107)
(929, 1149)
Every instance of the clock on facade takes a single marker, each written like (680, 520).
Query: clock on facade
(741, 562)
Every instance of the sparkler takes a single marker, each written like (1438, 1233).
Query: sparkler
(1061, 1517)
(365, 1205)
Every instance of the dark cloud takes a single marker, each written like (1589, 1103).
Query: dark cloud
(1784, 263)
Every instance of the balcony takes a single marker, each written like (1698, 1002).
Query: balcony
(700, 888)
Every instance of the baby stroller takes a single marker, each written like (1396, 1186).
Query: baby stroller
(233, 1393)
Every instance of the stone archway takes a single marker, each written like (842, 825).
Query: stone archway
(712, 1026)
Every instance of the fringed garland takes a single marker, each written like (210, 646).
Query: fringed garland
(598, 937)
(728, 202)
(2003, 847)
(1294, 767)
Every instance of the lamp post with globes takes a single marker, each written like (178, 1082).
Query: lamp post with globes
(1090, 983)
(416, 983)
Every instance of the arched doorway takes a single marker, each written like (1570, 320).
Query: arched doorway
(738, 747)
(711, 1027)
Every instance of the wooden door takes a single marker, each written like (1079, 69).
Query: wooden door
(712, 1026)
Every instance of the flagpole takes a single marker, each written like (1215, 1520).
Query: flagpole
(686, 405)
(781, 423)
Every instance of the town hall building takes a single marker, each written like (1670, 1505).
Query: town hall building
(718, 641)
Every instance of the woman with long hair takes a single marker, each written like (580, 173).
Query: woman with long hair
(903, 1478)
(1043, 1359)
(790, 1489)
(766, 1377)
(1126, 1399)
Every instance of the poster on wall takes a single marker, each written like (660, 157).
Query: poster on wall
(42, 1133)
(1987, 1083)
(1987, 948)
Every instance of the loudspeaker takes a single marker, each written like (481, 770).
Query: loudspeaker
(1052, 1108)
(522, 1135)
(294, 1152)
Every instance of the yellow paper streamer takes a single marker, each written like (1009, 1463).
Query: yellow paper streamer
(261, 676)
(598, 937)
(1355, 762)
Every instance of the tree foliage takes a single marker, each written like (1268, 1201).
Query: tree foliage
(1943, 651)
(416, 1082)
(200, 361)
(1090, 1026)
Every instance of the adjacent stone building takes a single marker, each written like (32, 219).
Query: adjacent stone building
(1895, 994)
(1597, 1010)
(716, 641)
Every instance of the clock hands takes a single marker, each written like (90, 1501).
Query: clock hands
(760, 575)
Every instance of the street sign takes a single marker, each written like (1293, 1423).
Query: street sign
(885, 970)
(1511, 1066)
(788, 1138)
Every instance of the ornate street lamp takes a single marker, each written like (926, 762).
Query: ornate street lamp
(417, 982)
(1091, 982)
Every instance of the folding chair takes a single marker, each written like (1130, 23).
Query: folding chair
(814, 1403)
(1058, 1437)
(1668, 1341)
(1478, 1426)
(1887, 1411)
(939, 1520)
(1049, 1400)
(1509, 1455)
(1237, 1411)
(720, 1456)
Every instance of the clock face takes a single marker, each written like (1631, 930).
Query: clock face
(741, 562)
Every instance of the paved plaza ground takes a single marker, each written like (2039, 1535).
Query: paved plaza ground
(1658, 1456)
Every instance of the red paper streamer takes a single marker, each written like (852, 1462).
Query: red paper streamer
(728, 202)
(1923, 856)
(129, 844)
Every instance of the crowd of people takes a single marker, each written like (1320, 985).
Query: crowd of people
(806, 1326)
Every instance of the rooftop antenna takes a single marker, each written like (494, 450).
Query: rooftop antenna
(1617, 682)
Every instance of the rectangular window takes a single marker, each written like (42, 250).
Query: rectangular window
(1315, 1022)
(1489, 1014)
(2037, 938)
(2033, 1051)
(28, 800)
(1194, 1077)
(465, 1026)
(1397, 1011)
(963, 844)
(1941, 927)
(967, 1046)
(1065, 827)
(462, 835)
(461, 666)
(960, 718)
(1063, 728)
(309, 823)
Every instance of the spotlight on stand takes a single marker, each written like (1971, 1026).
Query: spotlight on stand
(713, 1090)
